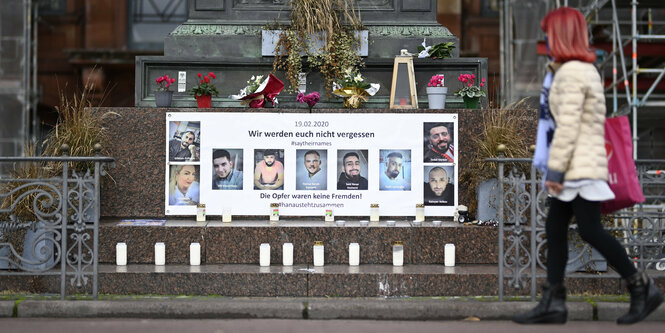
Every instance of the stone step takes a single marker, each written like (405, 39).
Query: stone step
(306, 281)
(239, 242)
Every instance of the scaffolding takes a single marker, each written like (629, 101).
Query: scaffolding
(628, 78)
(18, 75)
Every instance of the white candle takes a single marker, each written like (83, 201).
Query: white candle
(195, 254)
(354, 254)
(121, 254)
(287, 254)
(398, 254)
(329, 216)
(318, 253)
(160, 254)
(227, 217)
(374, 213)
(201, 213)
(274, 213)
(390, 223)
(264, 255)
(420, 212)
(449, 255)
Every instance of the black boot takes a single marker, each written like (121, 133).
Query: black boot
(551, 309)
(644, 298)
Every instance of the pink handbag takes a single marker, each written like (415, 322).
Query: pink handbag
(622, 172)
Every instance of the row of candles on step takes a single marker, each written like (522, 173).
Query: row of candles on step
(287, 254)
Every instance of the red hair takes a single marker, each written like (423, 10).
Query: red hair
(567, 35)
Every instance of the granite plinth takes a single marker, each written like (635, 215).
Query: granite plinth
(137, 142)
(238, 242)
(309, 281)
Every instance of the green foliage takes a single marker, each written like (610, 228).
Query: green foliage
(440, 51)
(331, 21)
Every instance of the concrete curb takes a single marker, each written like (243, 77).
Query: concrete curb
(190, 309)
(610, 311)
(431, 310)
(7, 308)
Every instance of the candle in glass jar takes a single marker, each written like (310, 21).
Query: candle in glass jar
(318, 253)
(329, 216)
(160, 254)
(287, 254)
(398, 253)
(449, 255)
(121, 254)
(420, 212)
(374, 213)
(274, 213)
(195, 254)
(264, 255)
(200, 213)
(226, 215)
(354, 254)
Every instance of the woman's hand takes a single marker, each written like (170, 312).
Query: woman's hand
(553, 188)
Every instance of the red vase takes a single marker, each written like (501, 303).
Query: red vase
(204, 101)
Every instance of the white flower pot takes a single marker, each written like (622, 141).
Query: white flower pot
(437, 97)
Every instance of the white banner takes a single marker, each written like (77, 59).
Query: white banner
(310, 163)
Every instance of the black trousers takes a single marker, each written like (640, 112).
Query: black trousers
(587, 214)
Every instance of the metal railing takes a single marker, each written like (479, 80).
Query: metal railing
(522, 205)
(59, 236)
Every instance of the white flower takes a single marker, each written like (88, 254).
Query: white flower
(252, 78)
(358, 78)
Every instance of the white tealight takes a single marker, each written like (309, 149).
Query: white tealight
(264, 255)
(398, 254)
(287, 254)
(354, 254)
(195, 254)
(227, 217)
(121, 254)
(160, 254)
(449, 255)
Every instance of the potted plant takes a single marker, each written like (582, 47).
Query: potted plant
(319, 22)
(164, 95)
(470, 92)
(204, 90)
(310, 99)
(436, 92)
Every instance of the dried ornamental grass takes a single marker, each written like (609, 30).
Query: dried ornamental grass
(499, 126)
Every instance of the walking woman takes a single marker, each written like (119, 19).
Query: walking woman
(576, 170)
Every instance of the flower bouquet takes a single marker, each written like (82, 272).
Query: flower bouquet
(204, 90)
(353, 88)
(438, 51)
(311, 99)
(258, 91)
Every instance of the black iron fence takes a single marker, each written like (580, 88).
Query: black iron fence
(522, 204)
(49, 218)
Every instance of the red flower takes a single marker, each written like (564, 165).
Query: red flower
(212, 75)
(207, 79)
(199, 75)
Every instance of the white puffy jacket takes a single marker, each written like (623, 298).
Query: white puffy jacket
(577, 104)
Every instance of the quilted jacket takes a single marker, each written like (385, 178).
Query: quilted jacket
(577, 104)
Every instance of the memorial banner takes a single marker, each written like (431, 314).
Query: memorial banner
(310, 163)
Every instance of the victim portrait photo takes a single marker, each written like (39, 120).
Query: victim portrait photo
(311, 169)
(394, 170)
(438, 142)
(183, 185)
(184, 141)
(352, 169)
(269, 169)
(439, 188)
(227, 167)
